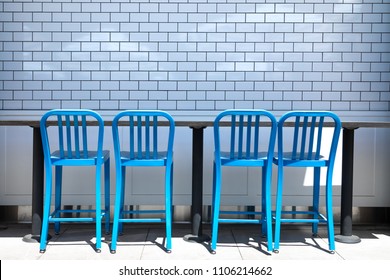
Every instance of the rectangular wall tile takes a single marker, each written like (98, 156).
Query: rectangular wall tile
(98, 50)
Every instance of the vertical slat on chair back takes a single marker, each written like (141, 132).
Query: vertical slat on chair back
(72, 135)
(144, 134)
(245, 133)
(308, 133)
(244, 144)
(72, 132)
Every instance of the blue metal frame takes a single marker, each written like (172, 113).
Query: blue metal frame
(245, 140)
(306, 152)
(143, 151)
(73, 151)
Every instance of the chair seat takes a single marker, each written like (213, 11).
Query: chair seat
(288, 160)
(78, 160)
(159, 159)
(243, 160)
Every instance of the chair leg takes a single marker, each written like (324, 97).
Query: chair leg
(264, 201)
(168, 207)
(329, 212)
(278, 210)
(117, 209)
(316, 197)
(58, 196)
(213, 192)
(98, 210)
(216, 204)
(46, 212)
(268, 215)
(122, 197)
(107, 195)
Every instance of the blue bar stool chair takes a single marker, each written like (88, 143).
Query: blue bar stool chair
(245, 140)
(74, 132)
(305, 149)
(147, 146)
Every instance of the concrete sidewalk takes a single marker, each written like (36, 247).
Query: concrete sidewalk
(235, 242)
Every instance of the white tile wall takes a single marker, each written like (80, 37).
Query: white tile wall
(185, 55)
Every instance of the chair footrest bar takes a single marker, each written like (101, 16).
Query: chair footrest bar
(301, 212)
(150, 220)
(314, 221)
(240, 213)
(71, 219)
(143, 212)
(240, 221)
(320, 216)
(74, 211)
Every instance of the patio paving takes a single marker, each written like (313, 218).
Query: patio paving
(235, 242)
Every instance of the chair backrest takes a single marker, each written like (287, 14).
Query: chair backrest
(144, 134)
(72, 133)
(308, 134)
(251, 132)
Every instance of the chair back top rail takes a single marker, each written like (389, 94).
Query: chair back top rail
(245, 132)
(308, 134)
(143, 132)
(72, 132)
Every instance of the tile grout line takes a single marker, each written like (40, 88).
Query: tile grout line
(235, 242)
(143, 247)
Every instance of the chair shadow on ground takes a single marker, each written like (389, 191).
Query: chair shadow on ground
(260, 246)
(75, 236)
(154, 235)
(239, 236)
